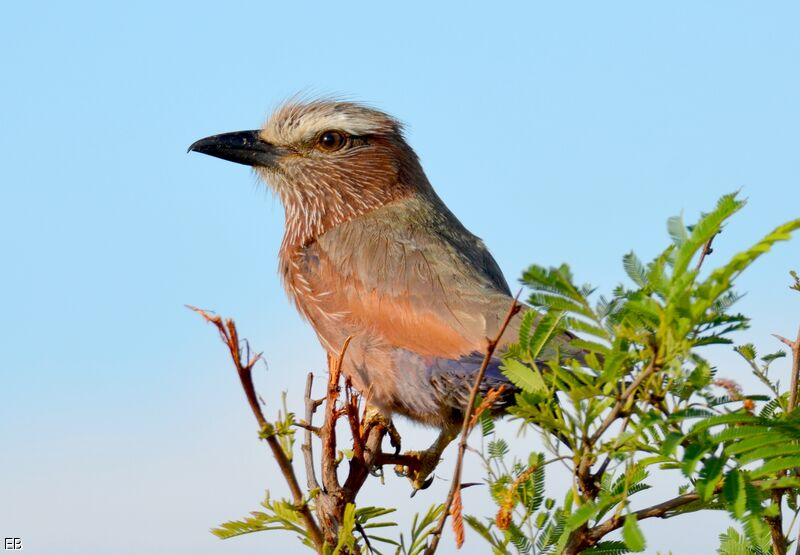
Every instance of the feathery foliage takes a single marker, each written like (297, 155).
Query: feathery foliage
(641, 397)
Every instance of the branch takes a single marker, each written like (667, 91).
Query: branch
(465, 427)
(609, 419)
(308, 454)
(228, 333)
(598, 476)
(795, 347)
(330, 480)
(706, 251)
(775, 524)
(660, 510)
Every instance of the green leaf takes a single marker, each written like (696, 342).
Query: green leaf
(709, 477)
(708, 226)
(346, 538)
(524, 377)
(487, 423)
(677, 230)
(607, 548)
(733, 543)
(635, 269)
(670, 443)
(781, 463)
(734, 494)
(770, 452)
(632, 534)
(528, 319)
(580, 516)
(548, 326)
(720, 279)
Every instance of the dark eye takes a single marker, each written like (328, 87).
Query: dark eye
(331, 140)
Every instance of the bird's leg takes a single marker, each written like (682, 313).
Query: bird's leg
(375, 417)
(428, 461)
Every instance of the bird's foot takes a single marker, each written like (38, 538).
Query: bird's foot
(420, 472)
(375, 417)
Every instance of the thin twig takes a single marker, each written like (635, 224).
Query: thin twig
(795, 347)
(230, 337)
(351, 409)
(363, 533)
(308, 454)
(313, 429)
(706, 251)
(611, 416)
(598, 476)
(465, 427)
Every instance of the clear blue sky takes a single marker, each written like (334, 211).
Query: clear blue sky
(557, 132)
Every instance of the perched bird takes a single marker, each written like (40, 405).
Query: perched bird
(370, 251)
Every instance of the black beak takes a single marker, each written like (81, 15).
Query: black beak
(242, 147)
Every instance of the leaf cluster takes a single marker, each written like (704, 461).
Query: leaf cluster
(632, 391)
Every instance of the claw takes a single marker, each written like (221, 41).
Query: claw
(376, 471)
(401, 471)
(425, 485)
(394, 437)
(421, 476)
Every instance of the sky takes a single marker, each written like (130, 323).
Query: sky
(557, 132)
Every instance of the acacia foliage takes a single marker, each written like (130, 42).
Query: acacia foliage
(641, 399)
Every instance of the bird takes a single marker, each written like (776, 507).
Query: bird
(371, 252)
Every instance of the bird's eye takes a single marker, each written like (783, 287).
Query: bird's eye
(331, 140)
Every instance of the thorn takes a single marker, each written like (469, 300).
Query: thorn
(782, 339)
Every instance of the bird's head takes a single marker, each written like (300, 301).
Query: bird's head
(328, 161)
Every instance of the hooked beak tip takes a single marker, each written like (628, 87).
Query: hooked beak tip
(241, 147)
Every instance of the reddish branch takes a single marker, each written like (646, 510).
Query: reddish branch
(229, 335)
(465, 429)
(331, 497)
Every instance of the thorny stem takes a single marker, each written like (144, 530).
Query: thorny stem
(465, 427)
(330, 481)
(334, 497)
(228, 333)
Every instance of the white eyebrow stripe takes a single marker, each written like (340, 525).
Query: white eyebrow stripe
(298, 123)
(312, 125)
